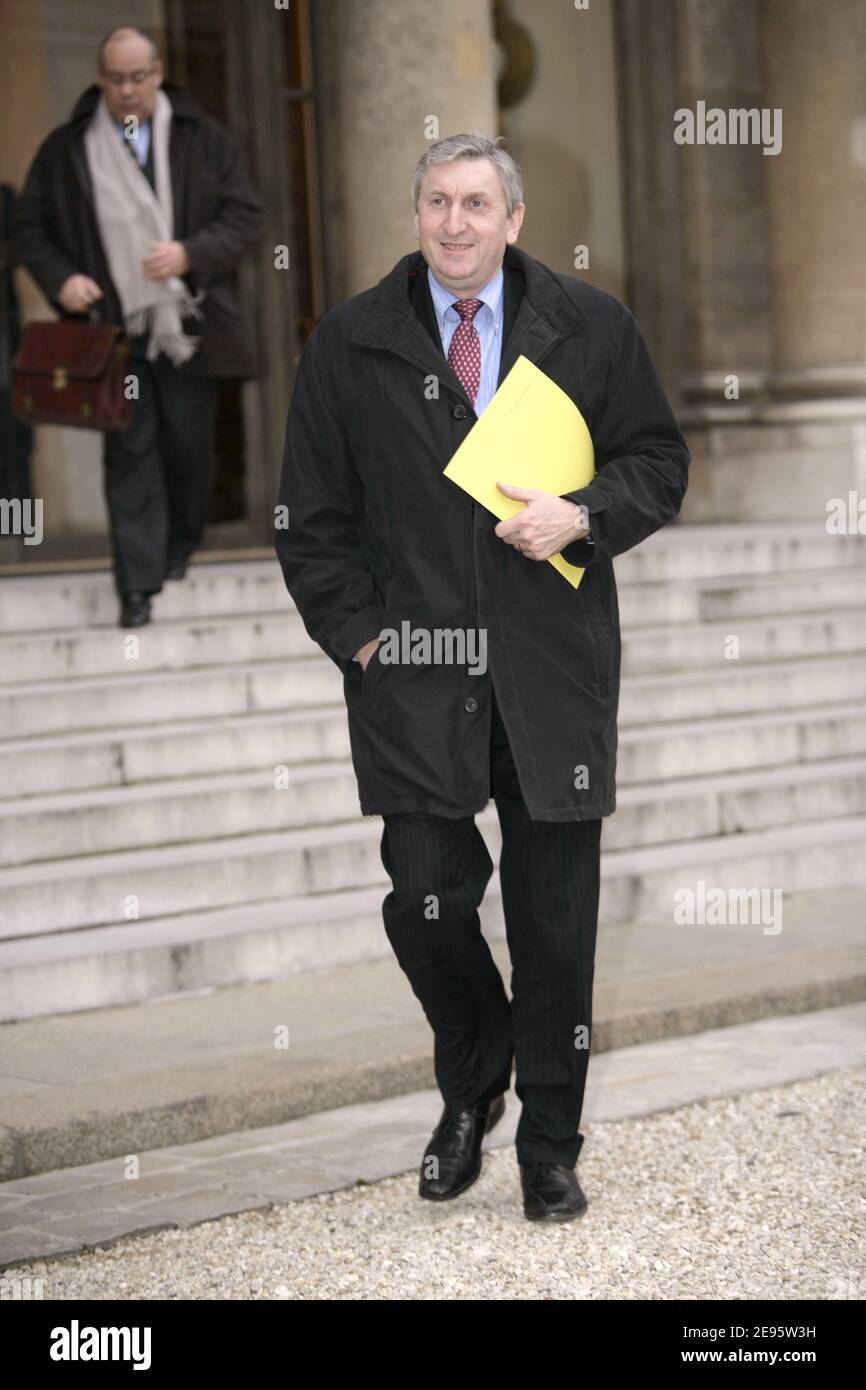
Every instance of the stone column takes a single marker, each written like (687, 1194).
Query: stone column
(815, 63)
(396, 67)
(696, 224)
(801, 439)
(724, 217)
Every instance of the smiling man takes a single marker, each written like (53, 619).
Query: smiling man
(388, 387)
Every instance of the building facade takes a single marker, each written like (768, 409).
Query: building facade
(706, 162)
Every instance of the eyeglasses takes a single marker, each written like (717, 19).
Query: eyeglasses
(117, 79)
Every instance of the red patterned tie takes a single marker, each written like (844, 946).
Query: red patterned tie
(464, 350)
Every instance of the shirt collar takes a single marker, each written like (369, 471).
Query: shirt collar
(491, 294)
(143, 124)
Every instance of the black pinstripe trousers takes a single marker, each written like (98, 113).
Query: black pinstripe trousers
(549, 875)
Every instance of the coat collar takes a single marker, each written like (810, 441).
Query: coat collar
(545, 316)
(183, 103)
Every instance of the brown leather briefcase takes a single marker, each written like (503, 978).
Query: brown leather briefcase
(71, 372)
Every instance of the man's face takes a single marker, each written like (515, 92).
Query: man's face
(463, 225)
(126, 58)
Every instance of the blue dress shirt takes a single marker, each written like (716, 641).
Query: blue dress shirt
(488, 323)
(141, 145)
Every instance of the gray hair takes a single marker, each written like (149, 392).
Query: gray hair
(474, 145)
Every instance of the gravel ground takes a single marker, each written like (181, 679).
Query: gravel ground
(756, 1196)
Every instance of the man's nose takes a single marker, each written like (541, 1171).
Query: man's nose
(455, 221)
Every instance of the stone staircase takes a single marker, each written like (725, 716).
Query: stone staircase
(148, 850)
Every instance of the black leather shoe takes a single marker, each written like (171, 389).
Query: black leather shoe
(456, 1143)
(134, 609)
(551, 1192)
(176, 569)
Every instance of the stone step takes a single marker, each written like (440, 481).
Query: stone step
(687, 552)
(100, 889)
(716, 598)
(116, 702)
(747, 688)
(86, 601)
(678, 552)
(80, 703)
(653, 753)
(141, 961)
(57, 655)
(183, 954)
(672, 647)
(127, 756)
(124, 757)
(810, 854)
(190, 810)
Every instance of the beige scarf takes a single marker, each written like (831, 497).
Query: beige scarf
(130, 216)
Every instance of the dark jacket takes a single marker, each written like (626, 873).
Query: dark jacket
(376, 536)
(217, 216)
(16, 437)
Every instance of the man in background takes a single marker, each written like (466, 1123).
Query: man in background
(137, 211)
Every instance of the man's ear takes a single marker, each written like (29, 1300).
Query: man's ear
(159, 72)
(516, 223)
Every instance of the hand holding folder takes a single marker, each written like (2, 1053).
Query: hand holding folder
(532, 435)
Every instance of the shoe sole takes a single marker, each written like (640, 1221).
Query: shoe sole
(551, 1216)
(492, 1119)
(447, 1196)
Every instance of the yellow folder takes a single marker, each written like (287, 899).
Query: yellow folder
(530, 435)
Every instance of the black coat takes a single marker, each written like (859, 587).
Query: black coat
(217, 216)
(376, 536)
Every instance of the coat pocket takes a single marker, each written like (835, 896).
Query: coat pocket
(222, 295)
(599, 629)
(369, 672)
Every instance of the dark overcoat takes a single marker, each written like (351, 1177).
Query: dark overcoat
(217, 216)
(377, 537)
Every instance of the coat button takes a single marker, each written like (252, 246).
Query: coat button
(459, 412)
(470, 705)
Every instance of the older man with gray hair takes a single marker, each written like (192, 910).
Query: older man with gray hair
(388, 387)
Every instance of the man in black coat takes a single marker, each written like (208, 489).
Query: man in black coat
(77, 220)
(505, 681)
